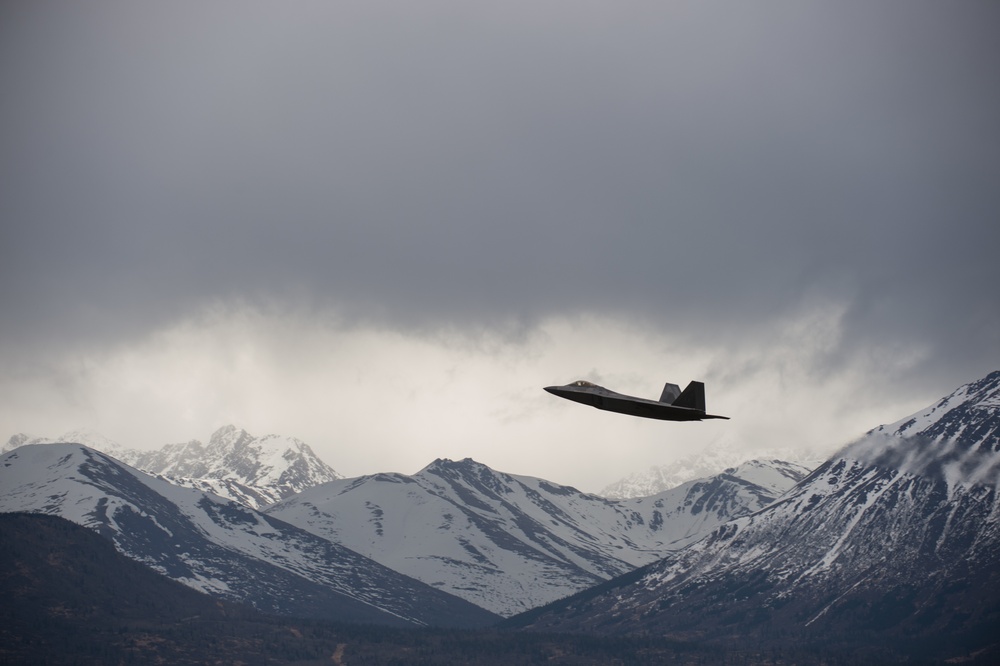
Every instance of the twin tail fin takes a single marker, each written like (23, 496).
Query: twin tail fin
(693, 396)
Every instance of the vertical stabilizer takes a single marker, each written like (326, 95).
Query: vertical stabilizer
(693, 397)
(670, 393)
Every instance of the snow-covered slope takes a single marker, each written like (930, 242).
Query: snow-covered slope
(219, 546)
(894, 542)
(508, 542)
(658, 478)
(255, 471)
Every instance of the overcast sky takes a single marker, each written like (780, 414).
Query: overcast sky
(383, 227)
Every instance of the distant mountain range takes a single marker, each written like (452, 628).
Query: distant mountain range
(658, 478)
(891, 547)
(255, 471)
(509, 543)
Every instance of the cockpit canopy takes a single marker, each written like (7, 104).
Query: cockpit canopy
(584, 384)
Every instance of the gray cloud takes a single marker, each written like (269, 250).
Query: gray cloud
(709, 169)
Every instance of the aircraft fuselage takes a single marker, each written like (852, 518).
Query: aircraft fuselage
(611, 401)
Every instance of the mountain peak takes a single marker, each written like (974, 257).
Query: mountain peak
(228, 435)
(976, 400)
(447, 465)
(18, 440)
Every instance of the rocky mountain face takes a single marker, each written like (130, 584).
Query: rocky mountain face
(893, 544)
(255, 471)
(219, 546)
(509, 543)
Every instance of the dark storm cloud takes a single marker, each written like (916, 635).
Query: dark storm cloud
(707, 166)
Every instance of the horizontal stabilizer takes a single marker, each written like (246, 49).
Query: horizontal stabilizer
(693, 397)
(670, 393)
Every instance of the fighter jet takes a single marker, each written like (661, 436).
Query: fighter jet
(673, 405)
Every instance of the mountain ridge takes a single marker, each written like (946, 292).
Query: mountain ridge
(509, 542)
(255, 471)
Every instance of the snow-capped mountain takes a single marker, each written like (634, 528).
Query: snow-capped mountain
(894, 543)
(508, 542)
(219, 546)
(658, 478)
(255, 471)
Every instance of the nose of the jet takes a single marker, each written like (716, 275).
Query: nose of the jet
(563, 392)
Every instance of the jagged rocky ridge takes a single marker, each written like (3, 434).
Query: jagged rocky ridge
(255, 471)
(509, 542)
(894, 544)
(219, 546)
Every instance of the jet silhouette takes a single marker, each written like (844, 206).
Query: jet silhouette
(673, 405)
